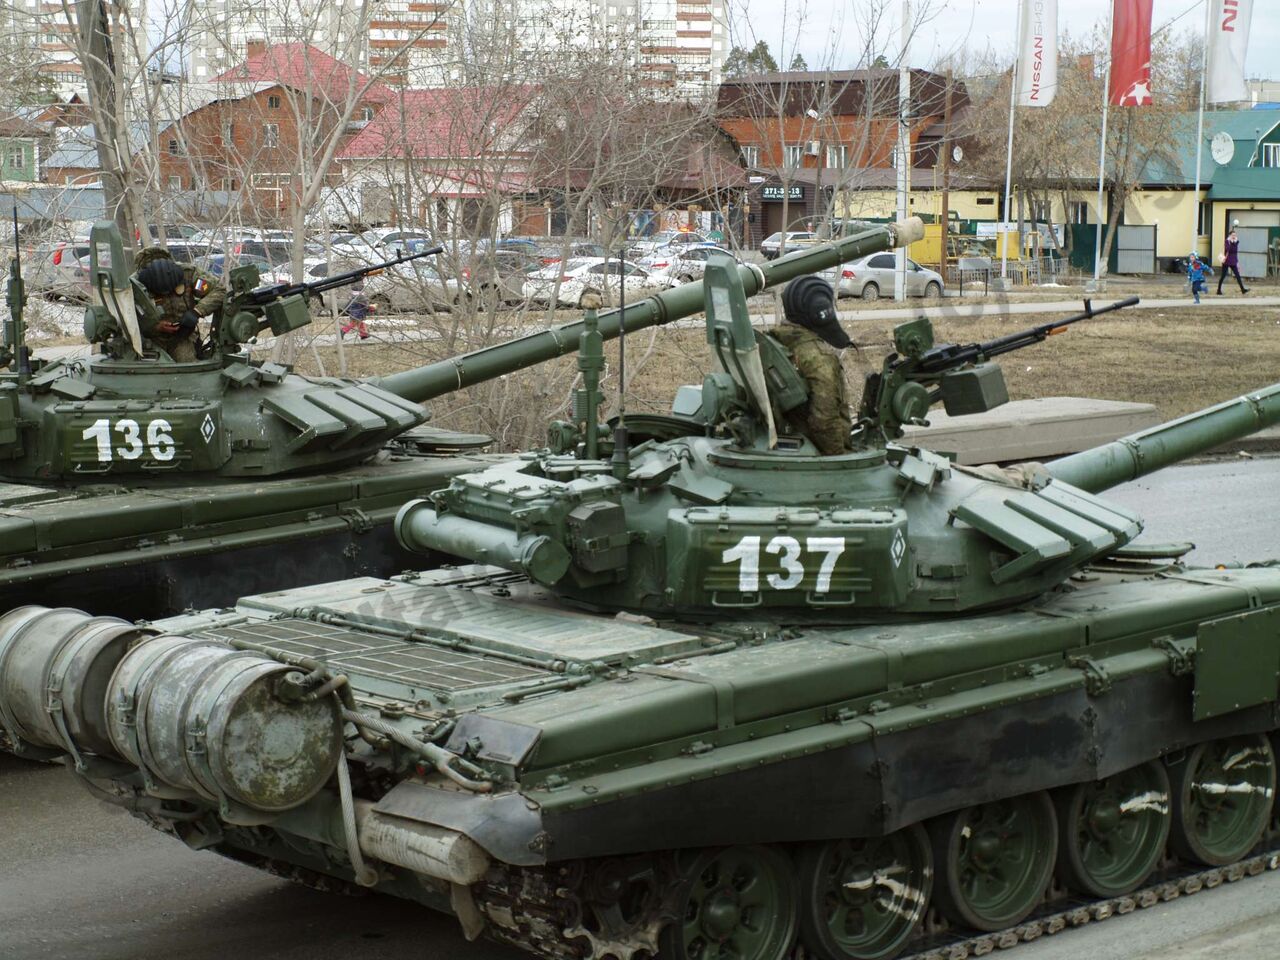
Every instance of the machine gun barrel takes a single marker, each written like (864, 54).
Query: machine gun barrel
(264, 295)
(950, 355)
(1153, 449)
(433, 380)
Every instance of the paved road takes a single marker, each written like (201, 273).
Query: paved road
(83, 881)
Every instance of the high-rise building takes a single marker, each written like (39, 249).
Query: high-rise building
(50, 29)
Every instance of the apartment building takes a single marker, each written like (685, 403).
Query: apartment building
(49, 29)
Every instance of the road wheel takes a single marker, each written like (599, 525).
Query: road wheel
(864, 899)
(686, 278)
(1112, 833)
(582, 299)
(1222, 799)
(994, 860)
(737, 903)
(871, 292)
(933, 291)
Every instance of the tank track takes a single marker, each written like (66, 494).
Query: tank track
(547, 912)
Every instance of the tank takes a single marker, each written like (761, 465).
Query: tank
(142, 487)
(702, 693)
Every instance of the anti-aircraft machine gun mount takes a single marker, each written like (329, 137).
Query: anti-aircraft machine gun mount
(703, 693)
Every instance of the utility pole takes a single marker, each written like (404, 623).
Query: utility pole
(904, 149)
(946, 176)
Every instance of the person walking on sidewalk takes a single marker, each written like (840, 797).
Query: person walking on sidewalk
(356, 310)
(1197, 270)
(1231, 259)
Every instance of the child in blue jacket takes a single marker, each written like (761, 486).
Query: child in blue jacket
(1197, 270)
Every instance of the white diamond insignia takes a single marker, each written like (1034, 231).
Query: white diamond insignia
(898, 550)
(207, 429)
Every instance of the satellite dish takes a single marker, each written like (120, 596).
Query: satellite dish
(1222, 147)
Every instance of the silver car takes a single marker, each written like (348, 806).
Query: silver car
(872, 277)
(58, 270)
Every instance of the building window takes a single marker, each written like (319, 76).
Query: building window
(751, 156)
(228, 184)
(1271, 155)
(1204, 219)
(228, 132)
(175, 183)
(17, 158)
(174, 147)
(273, 102)
(366, 114)
(1078, 212)
(791, 154)
(837, 156)
(271, 134)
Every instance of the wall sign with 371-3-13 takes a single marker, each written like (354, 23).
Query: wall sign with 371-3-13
(777, 192)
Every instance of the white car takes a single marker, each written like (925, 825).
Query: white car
(771, 246)
(646, 246)
(569, 283)
(681, 264)
(871, 277)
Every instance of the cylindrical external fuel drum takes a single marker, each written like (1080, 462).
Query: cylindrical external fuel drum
(207, 718)
(54, 670)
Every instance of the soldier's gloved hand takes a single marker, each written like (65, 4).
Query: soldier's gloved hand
(166, 326)
(189, 321)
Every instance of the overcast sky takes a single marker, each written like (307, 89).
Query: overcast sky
(831, 31)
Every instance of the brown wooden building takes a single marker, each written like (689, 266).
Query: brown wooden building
(805, 135)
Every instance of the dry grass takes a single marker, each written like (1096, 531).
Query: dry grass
(1179, 360)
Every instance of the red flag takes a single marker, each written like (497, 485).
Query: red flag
(1131, 53)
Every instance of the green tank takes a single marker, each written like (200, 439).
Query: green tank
(701, 693)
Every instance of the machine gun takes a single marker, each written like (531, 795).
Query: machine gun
(249, 308)
(264, 295)
(919, 373)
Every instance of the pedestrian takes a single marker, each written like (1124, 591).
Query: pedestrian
(1197, 270)
(356, 310)
(1230, 259)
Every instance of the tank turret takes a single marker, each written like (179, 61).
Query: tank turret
(733, 510)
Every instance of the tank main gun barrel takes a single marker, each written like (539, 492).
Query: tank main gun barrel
(436, 379)
(1147, 451)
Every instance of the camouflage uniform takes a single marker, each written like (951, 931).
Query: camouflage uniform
(824, 419)
(203, 294)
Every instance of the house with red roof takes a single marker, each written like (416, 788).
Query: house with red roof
(267, 127)
(445, 158)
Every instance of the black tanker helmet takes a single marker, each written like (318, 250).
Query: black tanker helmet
(810, 302)
(161, 277)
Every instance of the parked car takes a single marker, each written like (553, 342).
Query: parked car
(498, 276)
(415, 286)
(771, 246)
(279, 253)
(553, 250)
(59, 271)
(681, 264)
(872, 277)
(219, 263)
(645, 246)
(570, 282)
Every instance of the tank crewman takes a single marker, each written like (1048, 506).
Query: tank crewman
(184, 295)
(810, 333)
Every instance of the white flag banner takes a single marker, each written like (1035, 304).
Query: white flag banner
(1227, 46)
(1038, 53)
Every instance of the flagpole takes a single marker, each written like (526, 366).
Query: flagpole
(1008, 163)
(1102, 160)
(1204, 70)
